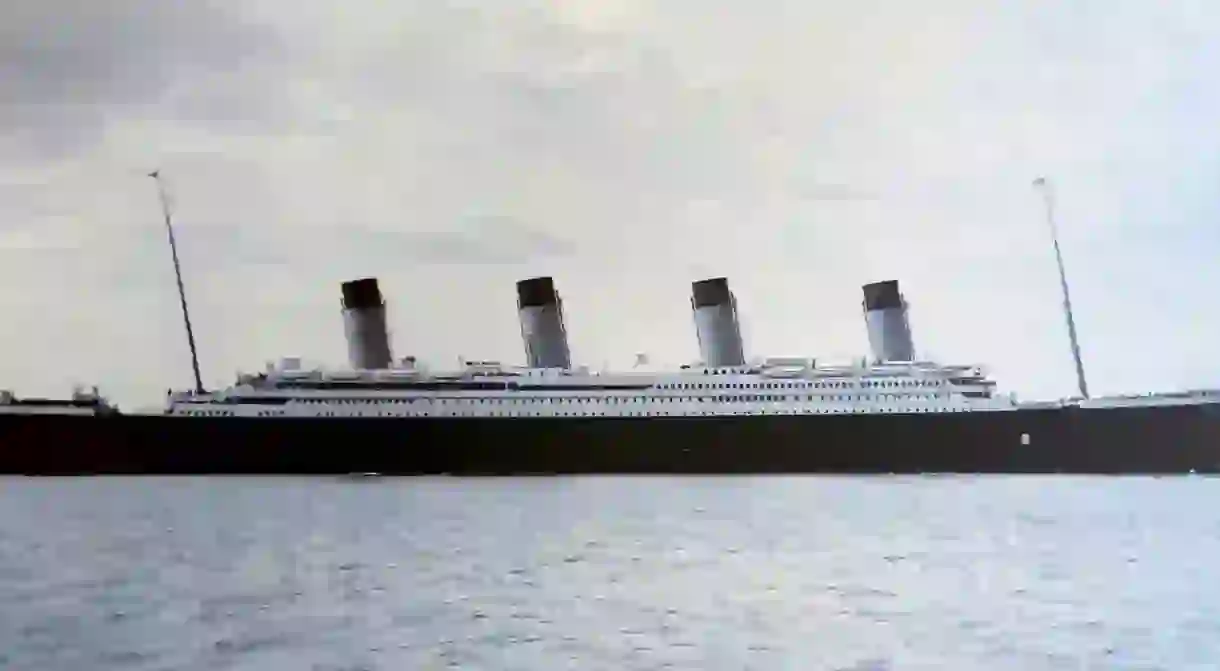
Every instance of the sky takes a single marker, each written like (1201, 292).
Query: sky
(801, 149)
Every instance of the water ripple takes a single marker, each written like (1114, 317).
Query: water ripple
(610, 573)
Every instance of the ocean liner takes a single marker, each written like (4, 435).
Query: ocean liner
(889, 413)
(726, 414)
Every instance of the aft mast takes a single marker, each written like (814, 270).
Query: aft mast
(173, 250)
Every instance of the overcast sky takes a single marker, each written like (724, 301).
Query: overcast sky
(627, 148)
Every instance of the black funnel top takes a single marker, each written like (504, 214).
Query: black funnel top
(361, 294)
(882, 295)
(536, 292)
(713, 291)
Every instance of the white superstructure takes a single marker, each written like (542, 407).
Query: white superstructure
(777, 386)
(488, 389)
(891, 382)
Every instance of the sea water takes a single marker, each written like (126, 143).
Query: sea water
(610, 573)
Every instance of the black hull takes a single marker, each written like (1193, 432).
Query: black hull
(1162, 440)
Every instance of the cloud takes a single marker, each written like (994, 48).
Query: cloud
(477, 241)
(627, 148)
(70, 66)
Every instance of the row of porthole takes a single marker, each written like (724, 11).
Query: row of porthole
(700, 413)
(268, 413)
(645, 413)
(271, 412)
(619, 400)
(866, 384)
